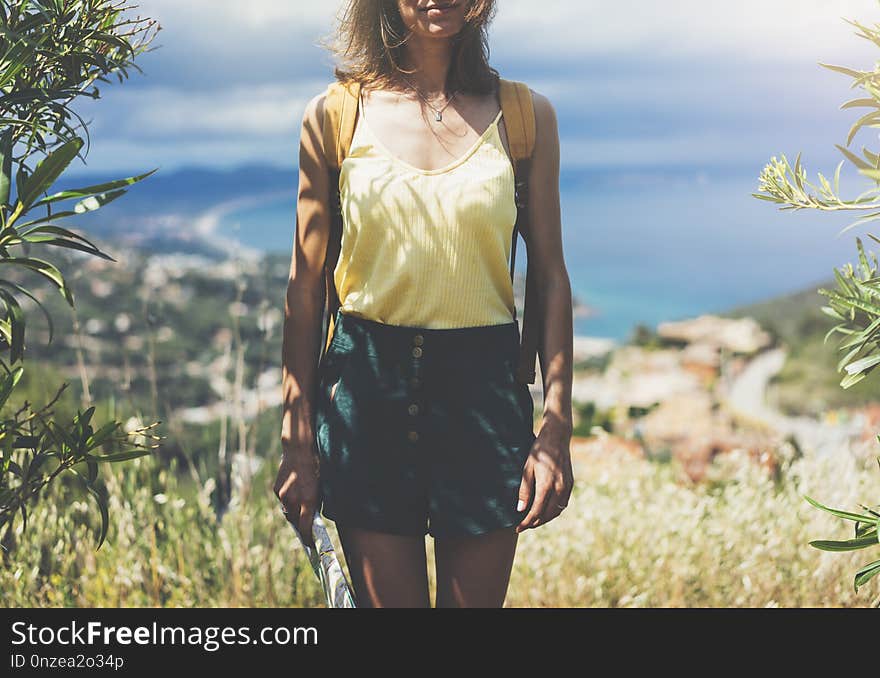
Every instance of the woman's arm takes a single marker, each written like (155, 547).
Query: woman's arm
(297, 481)
(547, 478)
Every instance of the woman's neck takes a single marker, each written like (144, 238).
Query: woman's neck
(430, 61)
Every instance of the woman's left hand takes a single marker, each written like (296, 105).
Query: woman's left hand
(547, 479)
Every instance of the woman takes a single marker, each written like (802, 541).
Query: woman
(413, 422)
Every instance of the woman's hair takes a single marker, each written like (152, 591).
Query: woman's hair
(369, 45)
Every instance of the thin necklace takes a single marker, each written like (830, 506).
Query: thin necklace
(438, 113)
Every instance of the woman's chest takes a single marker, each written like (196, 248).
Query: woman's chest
(481, 179)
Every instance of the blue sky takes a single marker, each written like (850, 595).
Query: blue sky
(634, 83)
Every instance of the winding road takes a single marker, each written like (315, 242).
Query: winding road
(746, 393)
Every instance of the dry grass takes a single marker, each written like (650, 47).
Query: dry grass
(634, 535)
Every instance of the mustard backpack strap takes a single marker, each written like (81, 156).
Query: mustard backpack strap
(340, 117)
(519, 119)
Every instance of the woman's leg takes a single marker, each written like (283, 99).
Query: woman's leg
(387, 570)
(474, 571)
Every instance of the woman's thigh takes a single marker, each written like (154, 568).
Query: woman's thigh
(387, 570)
(474, 571)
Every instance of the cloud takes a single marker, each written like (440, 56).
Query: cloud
(747, 29)
(787, 29)
(632, 81)
(207, 43)
(265, 110)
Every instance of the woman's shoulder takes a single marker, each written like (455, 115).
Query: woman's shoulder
(313, 113)
(315, 106)
(545, 113)
(314, 109)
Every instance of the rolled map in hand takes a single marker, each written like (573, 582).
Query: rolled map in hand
(326, 565)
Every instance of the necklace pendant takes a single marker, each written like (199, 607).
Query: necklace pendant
(438, 116)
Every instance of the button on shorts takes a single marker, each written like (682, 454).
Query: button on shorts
(421, 430)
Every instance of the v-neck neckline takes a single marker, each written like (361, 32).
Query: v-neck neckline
(441, 170)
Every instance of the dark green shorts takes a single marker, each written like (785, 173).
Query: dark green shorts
(422, 430)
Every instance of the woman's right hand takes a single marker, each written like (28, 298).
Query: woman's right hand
(297, 485)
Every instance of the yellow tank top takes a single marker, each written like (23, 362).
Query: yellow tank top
(426, 248)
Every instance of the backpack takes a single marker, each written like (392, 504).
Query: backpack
(340, 116)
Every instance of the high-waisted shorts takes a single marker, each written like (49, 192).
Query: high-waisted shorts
(422, 430)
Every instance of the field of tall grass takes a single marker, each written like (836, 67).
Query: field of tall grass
(634, 535)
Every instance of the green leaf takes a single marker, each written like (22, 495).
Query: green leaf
(865, 529)
(842, 282)
(863, 260)
(861, 304)
(47, 172)
(867, 573)
(96, 202)
(834, 329)
(857, 103)
(49, 234)
(5, 165)
(871, 173)
(44, 268)
(18, 288)
(17, 59)
(846, 515)
(92, 190)
(93, 470)
(848, 545)
(867, 119)
(49, 217)
(862, 364)
(844, 70)
(101, 436)
(853, 158)
(797, 173)
(866, 219)
(827, 310)
(105, 514)
(16, 322)
(862, 338)
(851, 380)
(841, 365)
(64, 436)
(8, 383)
(118, 456)
(102, 506)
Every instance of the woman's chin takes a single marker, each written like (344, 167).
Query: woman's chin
(441, 29)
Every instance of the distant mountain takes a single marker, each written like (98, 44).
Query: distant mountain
(190, 190)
